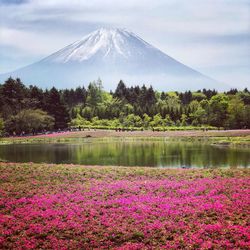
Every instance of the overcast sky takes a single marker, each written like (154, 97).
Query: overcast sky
(211, 36)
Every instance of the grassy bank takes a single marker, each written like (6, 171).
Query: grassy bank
(79, 207)
(223, 138)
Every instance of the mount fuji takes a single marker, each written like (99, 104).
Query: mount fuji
(113, 54)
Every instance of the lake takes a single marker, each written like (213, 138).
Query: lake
(129, 152)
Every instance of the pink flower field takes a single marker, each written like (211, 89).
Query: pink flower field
(81, 207)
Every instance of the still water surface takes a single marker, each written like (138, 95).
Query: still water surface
(122, 152)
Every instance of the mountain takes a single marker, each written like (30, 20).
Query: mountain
(113, 54)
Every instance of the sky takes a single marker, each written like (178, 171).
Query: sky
(211, 36)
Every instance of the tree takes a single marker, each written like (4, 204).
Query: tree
(247, 116)
(209, 93)
(36, 97)
(150, 97)
(146, 120)
(245, 96)
(57, 108)
(163, 96)
(13, 96)
(94, 96)
(157, 121)
(183, 120)
(132, 121)
(121, 90)
(168, 121)
(87, 113)
(80, 95)
(218, 108)
(194, 105)
(29, 121)
(235, 113)
(199, 116)
(127, 109)
(79, 121)
(198, 96)
(1, 126)
(113, 107)
(186, 97)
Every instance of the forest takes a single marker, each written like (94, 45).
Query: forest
(31, 110)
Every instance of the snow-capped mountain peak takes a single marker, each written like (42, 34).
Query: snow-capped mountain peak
(105, 42)
(113, 54)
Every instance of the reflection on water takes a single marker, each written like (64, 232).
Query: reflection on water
(120, 152)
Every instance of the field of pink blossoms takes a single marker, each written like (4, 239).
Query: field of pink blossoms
(46, 206)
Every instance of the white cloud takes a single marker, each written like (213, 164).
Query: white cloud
(31, 42)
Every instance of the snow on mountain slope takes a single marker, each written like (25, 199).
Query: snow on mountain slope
(103, 42)
(106, 45)
(113, 54)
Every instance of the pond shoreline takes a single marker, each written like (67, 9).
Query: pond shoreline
(145, 133)
(225, 138)
(4, 163)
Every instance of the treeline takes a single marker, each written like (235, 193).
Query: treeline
(31, 109)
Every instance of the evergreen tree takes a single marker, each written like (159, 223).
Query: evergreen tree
(57, 108)
(121, 90)
(13, 96)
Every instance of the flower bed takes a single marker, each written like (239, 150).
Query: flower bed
(74, 207)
